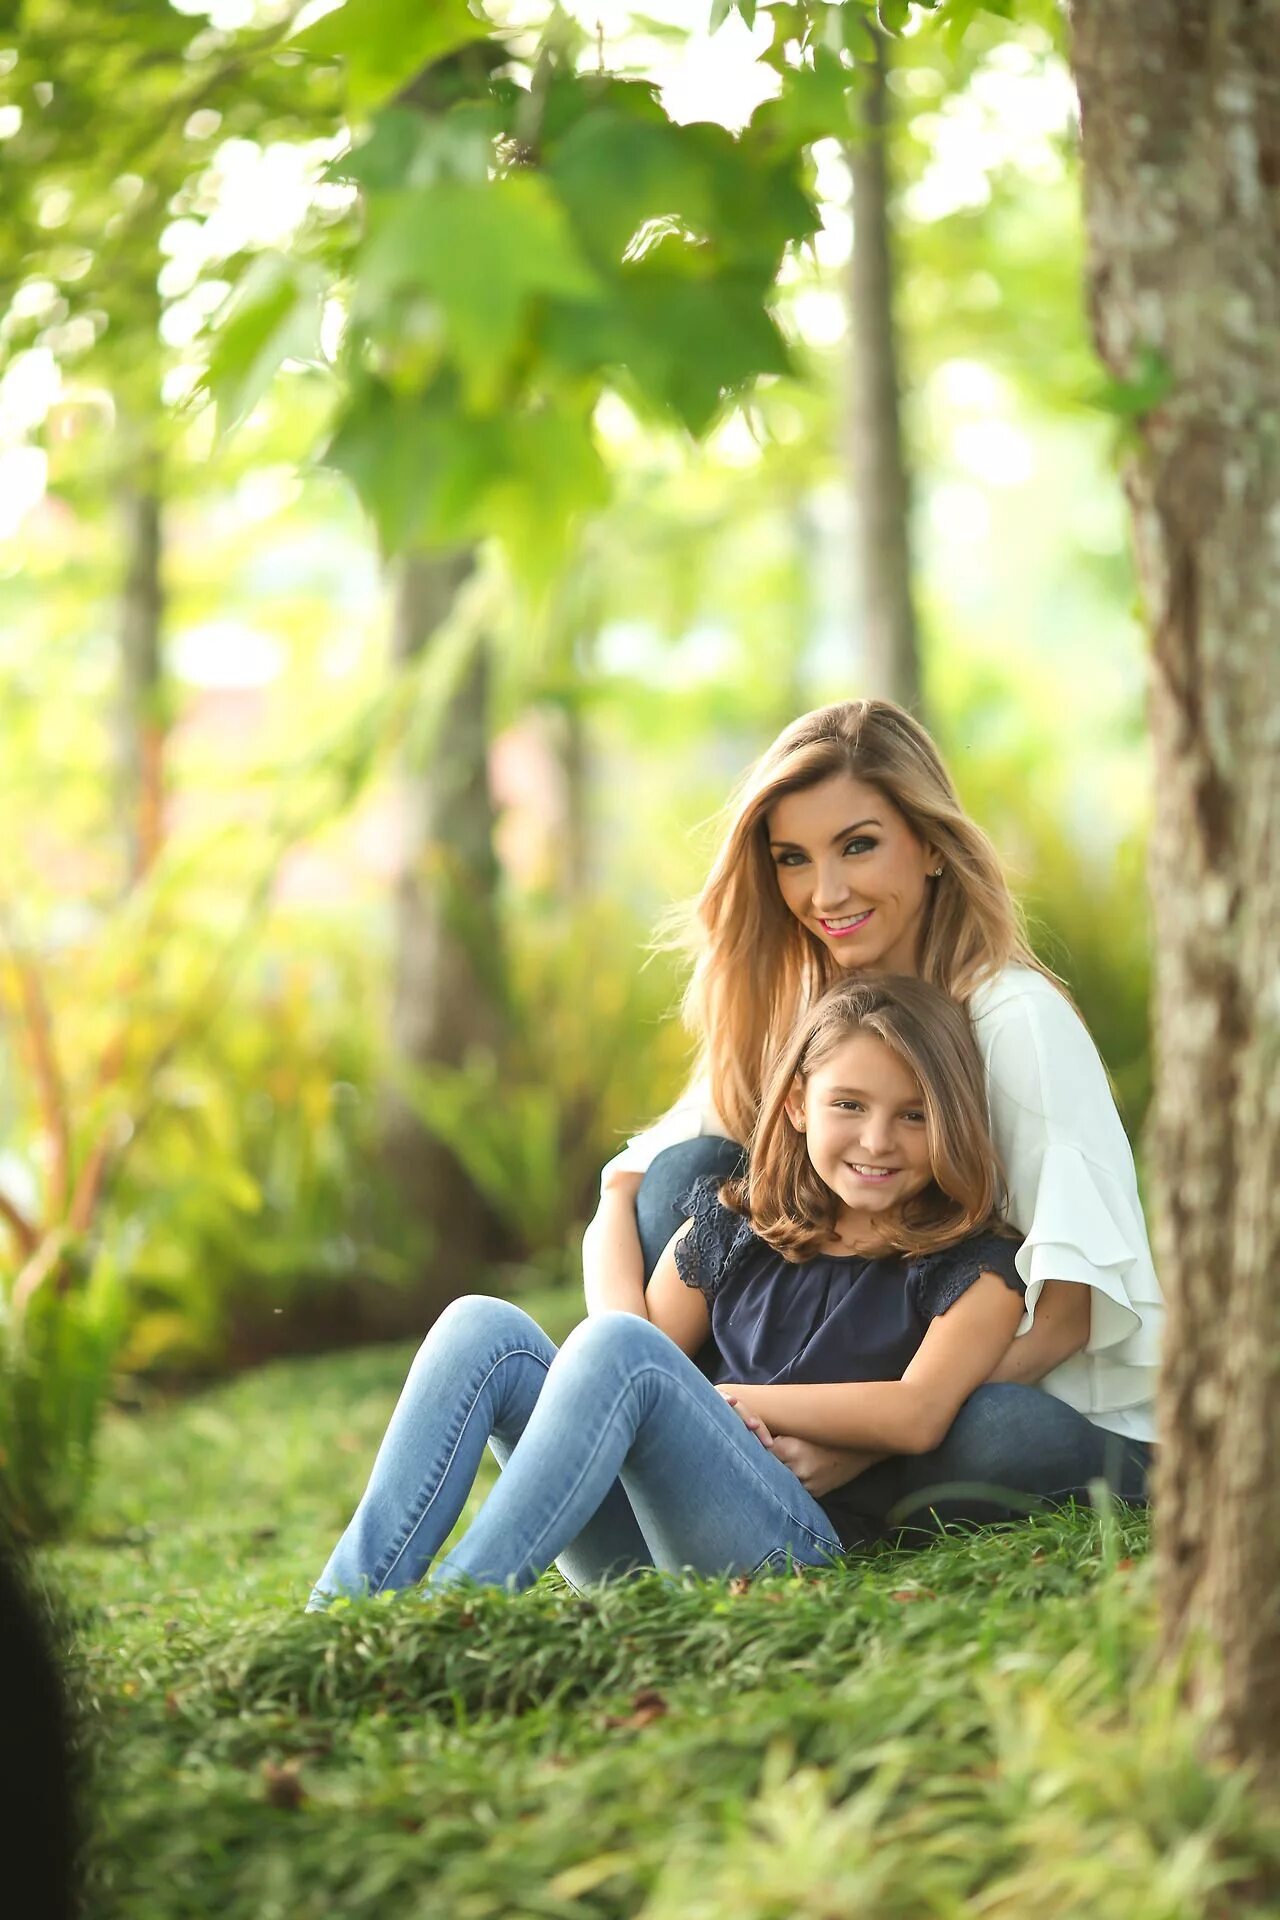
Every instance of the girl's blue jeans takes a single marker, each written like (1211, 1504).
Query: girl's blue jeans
(616, 1454)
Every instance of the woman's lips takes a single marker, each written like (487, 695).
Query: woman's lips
(842, 927)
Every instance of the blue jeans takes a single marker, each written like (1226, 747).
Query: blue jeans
(616, 1454)
(1009, 1448)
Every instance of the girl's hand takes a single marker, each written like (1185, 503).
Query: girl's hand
(820, 1469)
(752, 1420)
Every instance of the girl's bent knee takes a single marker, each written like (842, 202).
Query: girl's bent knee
(616, 1332)
(480, 1316)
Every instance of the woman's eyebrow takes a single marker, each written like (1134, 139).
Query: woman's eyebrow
(842, 835)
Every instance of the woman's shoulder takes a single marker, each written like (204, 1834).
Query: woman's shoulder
(1034, 1044)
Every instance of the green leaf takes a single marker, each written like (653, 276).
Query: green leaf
(433, 475)
(686, 344)
(486, 253)
(614, 172)
(386, 43)
(273, 316)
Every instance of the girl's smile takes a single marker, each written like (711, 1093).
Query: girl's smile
(862, 1114)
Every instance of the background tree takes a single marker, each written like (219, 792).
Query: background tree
(1180, 108)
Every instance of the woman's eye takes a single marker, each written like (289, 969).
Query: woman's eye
(915, 1116)
(789, 859)
(849, 1106)
(859, 845)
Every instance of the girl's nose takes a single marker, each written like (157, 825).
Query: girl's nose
(877, 1137)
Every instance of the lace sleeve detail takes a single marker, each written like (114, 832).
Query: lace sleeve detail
(941, 1278)
(706, 1254)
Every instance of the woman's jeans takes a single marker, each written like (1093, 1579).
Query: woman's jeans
(1008, 1449)
(616, 1454)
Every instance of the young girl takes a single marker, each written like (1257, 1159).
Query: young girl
(856, 1285)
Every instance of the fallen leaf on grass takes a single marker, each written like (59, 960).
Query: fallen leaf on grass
(646, 1706)
(913, 1593)
(284, 1789)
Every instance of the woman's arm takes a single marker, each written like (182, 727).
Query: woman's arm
(612, 1263)
(910, 1415)
(1060, 1328)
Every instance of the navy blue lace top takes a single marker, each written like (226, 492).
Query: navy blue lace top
(834, 1317)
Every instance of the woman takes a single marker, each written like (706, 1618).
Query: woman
(847, 849)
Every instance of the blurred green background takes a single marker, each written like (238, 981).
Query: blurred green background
(263, 775)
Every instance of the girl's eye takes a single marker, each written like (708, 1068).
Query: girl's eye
(849, 1106)
(915, 1115)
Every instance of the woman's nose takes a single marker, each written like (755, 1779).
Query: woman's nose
(829, 889)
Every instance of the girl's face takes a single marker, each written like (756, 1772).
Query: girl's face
(863, 1120)
(851, 870)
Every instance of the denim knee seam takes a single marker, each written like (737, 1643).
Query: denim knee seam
(419, 1515)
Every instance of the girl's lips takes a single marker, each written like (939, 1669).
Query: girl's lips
(879, 1173)
(840, 933)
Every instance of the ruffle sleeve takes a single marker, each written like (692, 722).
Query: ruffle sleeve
(939, 1279)
(1082, 1228)
(1072, 1193)
(707, 1254)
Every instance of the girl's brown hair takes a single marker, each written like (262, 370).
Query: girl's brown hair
(782, 1194)
(756, 965)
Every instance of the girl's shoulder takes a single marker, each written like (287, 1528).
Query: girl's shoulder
(717, 1239)
(938, 1279)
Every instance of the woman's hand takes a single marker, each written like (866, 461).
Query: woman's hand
(820, 1469)
(752, 1420)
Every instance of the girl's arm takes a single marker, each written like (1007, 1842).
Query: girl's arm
(612, 1263)
(910, 1415)
(683, 1313)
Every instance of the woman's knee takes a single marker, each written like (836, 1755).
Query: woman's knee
(1014, 1434)
(670, 1175)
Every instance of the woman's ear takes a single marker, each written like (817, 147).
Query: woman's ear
(794, 1104)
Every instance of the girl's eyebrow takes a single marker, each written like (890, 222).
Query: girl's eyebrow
(842, 835)
(860, 1094)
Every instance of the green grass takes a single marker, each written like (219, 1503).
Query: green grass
(969, 1730)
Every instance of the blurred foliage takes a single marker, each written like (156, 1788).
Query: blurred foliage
(593, 1048)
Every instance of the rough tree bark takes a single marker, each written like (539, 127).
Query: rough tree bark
(447, 940)
(1180, 110)
(141, 713)
(877, 463)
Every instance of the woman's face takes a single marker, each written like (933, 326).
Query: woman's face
(851, 870)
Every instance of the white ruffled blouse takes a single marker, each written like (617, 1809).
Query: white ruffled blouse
(1073, 1189)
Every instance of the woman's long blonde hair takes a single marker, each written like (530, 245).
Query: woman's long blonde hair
(782, 1194)
(756, 966)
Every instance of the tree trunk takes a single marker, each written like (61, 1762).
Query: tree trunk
(1180, 106)
(876, 460)
(447, 940)
(142, 706)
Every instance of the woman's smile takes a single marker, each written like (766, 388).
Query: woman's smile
(847, 924)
